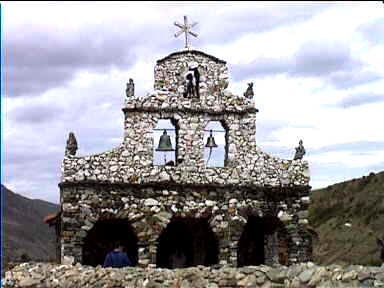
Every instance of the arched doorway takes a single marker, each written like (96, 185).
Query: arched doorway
(186, 242)
(102, 237)
(264, 241)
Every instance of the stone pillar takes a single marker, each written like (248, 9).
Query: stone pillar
(78, 253)
(67, 253)
(224, 251)
(145, 256)
(236, 228)
(146, 242)
(271, 249)
(152, 252)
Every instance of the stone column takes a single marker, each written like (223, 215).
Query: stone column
(236, 228)
(145, 256)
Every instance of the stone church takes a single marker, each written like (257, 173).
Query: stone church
(251, 210)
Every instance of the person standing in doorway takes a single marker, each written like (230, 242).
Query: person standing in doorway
(117, 258)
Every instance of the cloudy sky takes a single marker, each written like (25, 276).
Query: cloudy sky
(317, 70)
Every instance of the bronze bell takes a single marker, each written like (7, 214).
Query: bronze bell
(211, 141)
(165, 143)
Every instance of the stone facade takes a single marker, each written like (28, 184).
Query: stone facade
(123, 183)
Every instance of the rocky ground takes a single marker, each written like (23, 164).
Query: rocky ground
(295, 276)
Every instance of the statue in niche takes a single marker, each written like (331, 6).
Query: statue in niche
(249, 92)
(71, 147)
(300, 151)
(189, 90)
(192, 81)
(130, 91)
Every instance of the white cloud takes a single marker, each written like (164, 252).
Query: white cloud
(92, 49)
(348, 158)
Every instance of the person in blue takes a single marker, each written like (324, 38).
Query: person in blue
(117, 258)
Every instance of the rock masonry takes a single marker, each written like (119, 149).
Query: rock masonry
(123, 183)
(45, 275)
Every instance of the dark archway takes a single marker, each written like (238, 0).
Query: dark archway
(186, 242)
(250, 249)
(262, 238)
(102, 237)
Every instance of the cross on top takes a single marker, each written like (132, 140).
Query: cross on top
(186, 28)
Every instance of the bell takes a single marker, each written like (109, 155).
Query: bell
(211, 141)
(165, 143)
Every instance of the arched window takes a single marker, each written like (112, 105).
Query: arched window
(165, 142)
(215, 133)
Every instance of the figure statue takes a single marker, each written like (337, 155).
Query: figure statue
(71, 144)
(194, 67)
(130, 91)
(249, 92)
(192, 81)
(189, 90)
(300, 151)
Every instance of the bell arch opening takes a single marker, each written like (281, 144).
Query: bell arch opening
(165, 139)
(102, 237)
(264, 241)
(187, 242)
(215, 147)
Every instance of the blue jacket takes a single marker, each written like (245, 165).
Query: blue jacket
(117, 259)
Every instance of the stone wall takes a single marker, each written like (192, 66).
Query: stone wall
(149, 210)
(296, 276)
(117, 166)
(132, 161)
(124, 183)
(169, 72)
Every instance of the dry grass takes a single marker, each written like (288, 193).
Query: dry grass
(359, 202)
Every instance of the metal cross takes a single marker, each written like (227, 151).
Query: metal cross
(186, 28)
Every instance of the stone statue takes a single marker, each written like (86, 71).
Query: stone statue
(196, 75)
(130, 91)
(249, 93)
(189, 90)
(300, 151)
(71, 144)
(192, 81)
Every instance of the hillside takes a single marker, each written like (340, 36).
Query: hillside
(25, 231)
(359, 202)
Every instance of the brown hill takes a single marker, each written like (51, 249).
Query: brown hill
(27, 237)
(348, 218)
